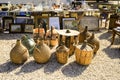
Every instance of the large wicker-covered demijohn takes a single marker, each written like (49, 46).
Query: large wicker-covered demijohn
(83, 54)
(62, 54)
(19, 54)
(41, 52)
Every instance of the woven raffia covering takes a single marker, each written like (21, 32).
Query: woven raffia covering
(83, 35)
(70, 42)
(83, 55)
(41, 53)
(62, 54)
(19, 54)
(54, 42)
(94, 42)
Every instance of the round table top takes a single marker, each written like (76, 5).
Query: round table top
(71, 32)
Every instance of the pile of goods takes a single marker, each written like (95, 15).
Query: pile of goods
(84, 47)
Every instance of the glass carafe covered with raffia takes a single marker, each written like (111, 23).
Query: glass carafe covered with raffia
(19, 53)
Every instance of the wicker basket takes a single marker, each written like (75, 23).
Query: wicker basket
(62, 54)
(83, 56)
(19, 54)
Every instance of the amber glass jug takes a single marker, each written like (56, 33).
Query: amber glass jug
(19, 53)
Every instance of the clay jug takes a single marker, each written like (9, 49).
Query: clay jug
(84, 34)
(41, 52)
(62, 54)
(84, 54)
(19, 53)
(28, 42)
(94, 42)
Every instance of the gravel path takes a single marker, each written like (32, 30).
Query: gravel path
(105, 65)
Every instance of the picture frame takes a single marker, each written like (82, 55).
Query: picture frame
(23, 20)
(6, 21)
(15, 28)
(91, 21)
(42, 21)
(68, 24)
(28, 28)
(66, 18)
(3, 14)
(54, 21)
(30, 21)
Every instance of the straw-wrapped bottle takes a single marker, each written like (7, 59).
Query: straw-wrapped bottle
(19, 53)
(41, 52)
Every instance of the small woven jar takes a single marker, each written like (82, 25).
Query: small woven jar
(62, 54)
(19, 53)
(38, 32)
(84, 34)
(53, 35)
(84, 54)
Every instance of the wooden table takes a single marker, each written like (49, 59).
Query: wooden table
(116, 31)
(69, 38)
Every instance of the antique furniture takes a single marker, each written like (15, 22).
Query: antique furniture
(116, 31)
(113, 19)
(68, 37)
